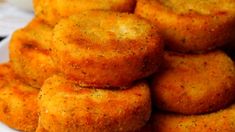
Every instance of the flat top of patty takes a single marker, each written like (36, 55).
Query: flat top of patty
(200, 6)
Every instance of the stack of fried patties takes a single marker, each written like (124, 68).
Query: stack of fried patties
(73, 70)
(102, 58)
(195, 89)
(81, 66)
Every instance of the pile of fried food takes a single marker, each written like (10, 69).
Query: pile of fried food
(122, 66)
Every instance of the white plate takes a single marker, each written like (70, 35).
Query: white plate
(4, 58)
(23, 4)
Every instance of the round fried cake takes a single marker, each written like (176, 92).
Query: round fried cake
(106, 49)
(51, 11)
(194, 83)
(29, 53)
(192, 25)
(18, 102)
(221, 121)
(65, 106)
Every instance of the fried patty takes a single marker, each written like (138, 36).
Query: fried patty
(65, 106)
(192, 25)
(30, 54)
(194, 83)
(221, 121)
(52, 11)
(106, 49)
(18, 101)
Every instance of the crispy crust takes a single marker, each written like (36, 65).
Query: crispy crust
(106, 49)
(66, 106)
(53, 10)
(29, 53)
(18, 102)
(194, 84)
(40, 128)
(221, 121)
(191, 26)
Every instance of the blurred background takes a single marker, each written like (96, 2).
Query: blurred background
(14, 14)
